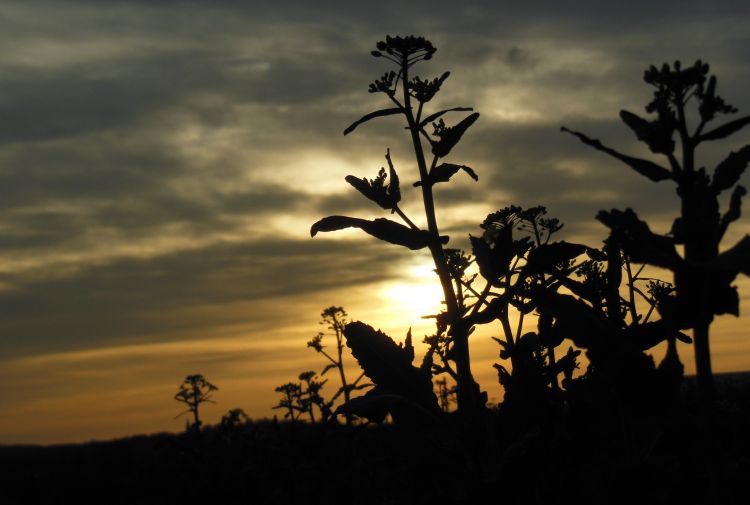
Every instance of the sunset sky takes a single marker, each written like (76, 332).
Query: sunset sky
(161, 164)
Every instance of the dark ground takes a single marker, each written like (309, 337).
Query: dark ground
(682, 457)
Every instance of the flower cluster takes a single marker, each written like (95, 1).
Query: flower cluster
(384, 84)
(425, 90)
(404, 50)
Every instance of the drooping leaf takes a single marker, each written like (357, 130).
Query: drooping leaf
(379, 402)
(384, 229)
(725, 130)
(389, 365)
(644, 167)
(728, 172)
(638, 241)
(372, 115)
(436, 115)
(656, 134)
(449, 136)
(444, 172)
(544, 257)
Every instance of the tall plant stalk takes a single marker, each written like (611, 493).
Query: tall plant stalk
(404, 53)
(702, 276)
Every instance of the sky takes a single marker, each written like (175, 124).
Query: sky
(161, 164)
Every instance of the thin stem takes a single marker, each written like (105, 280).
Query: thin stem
(403, 216)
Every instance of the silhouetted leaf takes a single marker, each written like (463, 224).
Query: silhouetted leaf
(389, 365)
(646, 335)
(726, 129)
(386, 196)
(449, 136)
(444, 172)
(327, 367)
(735, 259)
(409, 347)
(581, 290)
(545, 257)
(637, 240)
(378, 402)
(654, 133)
(435, 116)
(735, 207)
(494, 259)
(644, 167)
(372, 115)
(381, 228)
(728, 172)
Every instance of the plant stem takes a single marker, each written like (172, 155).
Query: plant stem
(467, 388)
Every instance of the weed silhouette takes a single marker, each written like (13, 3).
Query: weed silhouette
(194, 391)
(335, 318)
(408, 97)
(702, 276)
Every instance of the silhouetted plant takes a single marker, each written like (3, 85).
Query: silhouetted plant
(446, 394)
(234, 417)
(401, 389)
(310, 396)
(336, 319)
(291, 394)
(194, 391)
(409, 95)
(299, 398)
(702, 276)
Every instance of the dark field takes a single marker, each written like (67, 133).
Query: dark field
(676, 457)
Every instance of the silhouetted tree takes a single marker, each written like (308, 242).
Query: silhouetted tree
(194, 391)
(702, 276)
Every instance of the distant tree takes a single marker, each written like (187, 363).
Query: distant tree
(194, 391)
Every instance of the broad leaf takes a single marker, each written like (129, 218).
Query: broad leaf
(435, 116)
(372, 115)
(494, 259)
(545, 257)
(647, 335)
(389, 365)
(725, 130)
(644, 167)
(379, 402)
(656, 134)
(638, 241)
(381, 228)
(728, 172)
(444, 172)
